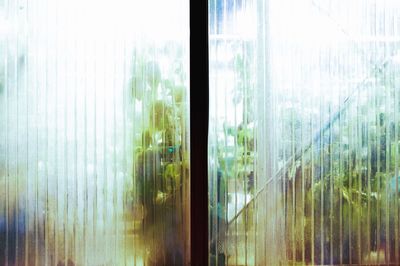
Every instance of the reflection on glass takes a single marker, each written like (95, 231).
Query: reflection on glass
(93, 141)
(304, 122)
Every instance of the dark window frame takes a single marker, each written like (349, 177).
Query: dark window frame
(199, 104)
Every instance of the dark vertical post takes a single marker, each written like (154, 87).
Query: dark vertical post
(199, 90)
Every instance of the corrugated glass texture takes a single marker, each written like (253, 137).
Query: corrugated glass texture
(304, 167)
(93, 132)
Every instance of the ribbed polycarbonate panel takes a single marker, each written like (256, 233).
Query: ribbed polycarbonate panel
(94, 132)
(304, 132)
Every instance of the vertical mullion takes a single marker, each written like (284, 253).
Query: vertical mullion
(331, 149)
(95, 152)
(124, 160)
(135, 184)
(396, 147)
(292, 171)
(17, 172)
(255, 215)
(36, 189)
(27, 71)
(312, 188)
(199, 84)
(378, 102)
(214, 236)
(75, 227)
(7, 140)
(114, 151)
(56, 136)
(105, 164)
(303, 177)
(341, 161)
(65, 179)
(368, 133)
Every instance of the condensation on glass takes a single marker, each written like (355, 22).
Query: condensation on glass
(94, 158)
(304, 132)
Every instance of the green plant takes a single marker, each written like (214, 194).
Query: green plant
(348, 187)
(161, 152)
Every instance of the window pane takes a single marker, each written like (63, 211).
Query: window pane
(303, 149)
(93, 140)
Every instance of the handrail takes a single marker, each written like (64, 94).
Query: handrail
(284, 169)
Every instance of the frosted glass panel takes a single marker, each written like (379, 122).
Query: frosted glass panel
(93, 132)
(304, 122)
